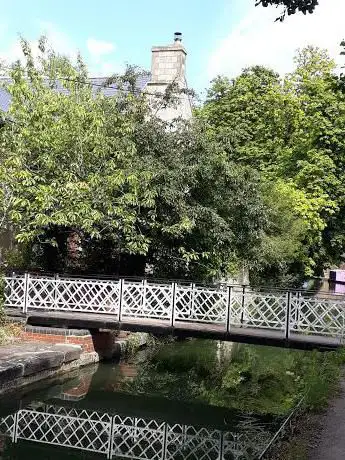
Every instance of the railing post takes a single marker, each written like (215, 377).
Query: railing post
(26, 292)
(287, 319)
(191, 310)
(143, 301)
(228, 308)
(111, 432)
(173, 304)
(221, 446)
(56, 281)
(15, 427)
(165, 438)
(243, 302)
(122, 283)
(298, 309)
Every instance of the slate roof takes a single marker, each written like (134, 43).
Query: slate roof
(97, 82)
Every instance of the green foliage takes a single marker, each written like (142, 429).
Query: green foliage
(292, 132)
(291, 6)
(255, 181)
(249, 378)
(107, 173)
(184, 356)
(66, 160)
(135, 341)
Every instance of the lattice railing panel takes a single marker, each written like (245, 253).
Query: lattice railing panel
(145, 300)
(14, 290)
(41, 293)
(317, 316)
(201, 304)
(137, 438)
(73, 295)
(88, 295)
(76, 413)
(7, 425)
(254, 309)
(191, 443)
(62, 430)
(247, 443)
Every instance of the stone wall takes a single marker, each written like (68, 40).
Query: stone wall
(106, 344)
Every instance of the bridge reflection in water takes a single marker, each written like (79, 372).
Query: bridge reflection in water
(118, 436)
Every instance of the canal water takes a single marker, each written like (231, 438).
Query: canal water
(176, 401)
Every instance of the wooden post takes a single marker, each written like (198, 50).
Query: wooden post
(221, 445)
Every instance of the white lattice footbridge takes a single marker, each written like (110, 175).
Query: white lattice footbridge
(225, 308)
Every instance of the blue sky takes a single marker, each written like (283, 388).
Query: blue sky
(221, 36)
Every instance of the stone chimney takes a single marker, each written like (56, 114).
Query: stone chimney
(169, 66)
(168, 62)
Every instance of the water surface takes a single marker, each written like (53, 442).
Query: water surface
(154, 407)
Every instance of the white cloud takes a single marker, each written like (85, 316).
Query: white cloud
(257, 39)
(99, 48)
(98, 61)
(104, 68)
(59, 41)
(98, 65)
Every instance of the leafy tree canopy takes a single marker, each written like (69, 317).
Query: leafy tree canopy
(291, 6)
(119, 181)
(292, 131)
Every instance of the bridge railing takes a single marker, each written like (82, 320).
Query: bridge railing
(225, 307)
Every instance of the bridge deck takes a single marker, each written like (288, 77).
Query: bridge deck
(260, 336)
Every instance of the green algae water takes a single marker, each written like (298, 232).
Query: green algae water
(194, 400)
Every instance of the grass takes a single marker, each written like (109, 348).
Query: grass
(9, 332)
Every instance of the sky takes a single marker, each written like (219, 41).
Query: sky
(221, 36)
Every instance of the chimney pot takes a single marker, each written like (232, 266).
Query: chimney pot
(178, 37)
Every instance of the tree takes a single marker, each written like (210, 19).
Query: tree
(291, 131)
(290, 6)
(61, 165)
(123, 184)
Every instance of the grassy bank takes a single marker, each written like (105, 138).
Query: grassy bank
(9, 332)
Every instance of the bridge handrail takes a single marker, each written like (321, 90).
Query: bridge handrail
(225, 306)
(215, 285)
